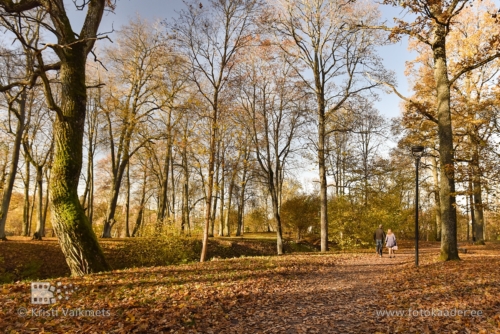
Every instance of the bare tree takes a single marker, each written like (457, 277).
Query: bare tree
(275, 103)
(38, 143)
(210, 37)
(318, 37)
(17, 96)
(131, 99)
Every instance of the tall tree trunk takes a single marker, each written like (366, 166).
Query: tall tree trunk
(276, 212)
(7, 193)
(40, 226)
(47, 200)
(323, 198)
(127, 204)
(32, 207)
(234, 173)
(478, 199)
(76, 237)
(467, 215)
(172, 181)
(241, 204)
(214, 215)
(210, 184)
(239, 221)
(115, 192)
(90, 202)
(92, 142)
(222, 185)
(471, 208)
(26, 205)
(185, 187)
(215, 200)
(449, 248)
(437, 207)
(72, 227)
(139, 218)
(185, 207)
(229, 203)
(163, 198)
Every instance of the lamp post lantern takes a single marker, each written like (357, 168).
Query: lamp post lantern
(417, 152)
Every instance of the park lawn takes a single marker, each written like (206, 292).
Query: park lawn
(297, 293)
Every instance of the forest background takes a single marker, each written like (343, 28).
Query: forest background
(213, 123)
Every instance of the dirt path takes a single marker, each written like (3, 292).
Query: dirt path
(339, 299)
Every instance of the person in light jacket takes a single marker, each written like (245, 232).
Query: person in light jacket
(390, 242)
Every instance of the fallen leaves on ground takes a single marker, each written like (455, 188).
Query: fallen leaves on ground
(310, 293)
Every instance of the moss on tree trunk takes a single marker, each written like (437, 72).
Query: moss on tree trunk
(72, 227)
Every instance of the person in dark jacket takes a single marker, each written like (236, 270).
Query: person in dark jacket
(379, 237)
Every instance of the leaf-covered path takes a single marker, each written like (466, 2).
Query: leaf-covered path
(311, 293)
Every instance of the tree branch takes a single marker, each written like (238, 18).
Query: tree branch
(410, 101)
(10, 7)
(473, 67)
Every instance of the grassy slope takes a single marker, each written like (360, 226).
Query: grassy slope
(24, 259)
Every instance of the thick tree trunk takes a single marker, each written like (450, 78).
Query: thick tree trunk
(7, 193)
(76, 237)
(323, 198)
(72, 227)
(437, 207)
(449, 248)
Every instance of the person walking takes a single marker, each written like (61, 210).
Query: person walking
(379, 237)
(390, 243)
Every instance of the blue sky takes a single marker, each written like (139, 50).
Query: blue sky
(394, 56)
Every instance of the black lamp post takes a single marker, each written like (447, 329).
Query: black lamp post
(417, 152)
